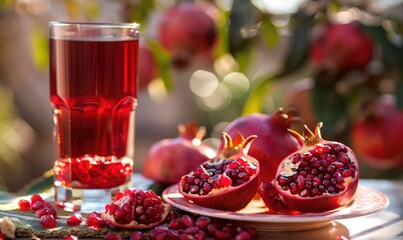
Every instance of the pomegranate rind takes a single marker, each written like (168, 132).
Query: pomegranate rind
(232, 198)
(323, 203)
(273, 143)
(169, 159)
(133, 224)
(136, 209)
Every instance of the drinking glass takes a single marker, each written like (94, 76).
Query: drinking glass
(93, 72)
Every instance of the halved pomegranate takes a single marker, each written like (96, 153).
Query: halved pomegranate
(226, 182)
(321, 176)
(137, 209)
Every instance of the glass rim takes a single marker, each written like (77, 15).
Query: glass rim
(113, 31)
(97, 24)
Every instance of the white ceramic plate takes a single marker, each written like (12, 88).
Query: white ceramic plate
(366, 201)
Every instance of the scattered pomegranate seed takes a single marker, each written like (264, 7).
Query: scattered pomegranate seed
(35, 198)
(48, 221)
(74, 220)
(112, 236)
(95, 221)
(191, 227)
(45, 211)
(136, 235)
(37, 205)
(24, 204)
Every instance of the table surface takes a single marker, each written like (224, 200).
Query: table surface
(385, 224)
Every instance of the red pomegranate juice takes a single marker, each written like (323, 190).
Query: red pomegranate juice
(93, 97)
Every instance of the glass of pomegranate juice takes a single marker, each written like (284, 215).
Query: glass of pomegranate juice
(93, 71)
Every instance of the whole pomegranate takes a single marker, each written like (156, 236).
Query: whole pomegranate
(147, 67)
(273, 143)
(376, 136)
(226, 182)
(321, 176)
(169, 159)
(341, 47)
(186, 30)
(136, 209)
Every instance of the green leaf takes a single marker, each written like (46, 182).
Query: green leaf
(296, 58)
(240, 19)
(163, 61)
(138, 11)
(39, 43)
(301, 24)
(5, 3)
(254, 103)
(391, 53)
(399, 93)
(328, 105)
(269, 32)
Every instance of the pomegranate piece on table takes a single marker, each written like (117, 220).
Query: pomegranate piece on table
(228, 181)
(321, 176)
(201, 227)
(74, 220)
(136, 209)
(48, 221)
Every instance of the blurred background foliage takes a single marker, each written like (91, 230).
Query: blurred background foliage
(258, 57)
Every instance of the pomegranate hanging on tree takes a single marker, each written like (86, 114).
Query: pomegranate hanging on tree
(376, 135)
(186, 30)
(340, 48)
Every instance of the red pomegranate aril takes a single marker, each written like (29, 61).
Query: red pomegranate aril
(136, 235)
(236, 174)
(136, 209)
(228, 181)
(36, 197)
(201, 222)
(37, 205)
(329, 180)
(243, 236)
(48, 221)
(201, 227)
(24, 204)
(46, 210)
(112, 236)
(95, 221)
(74, 220)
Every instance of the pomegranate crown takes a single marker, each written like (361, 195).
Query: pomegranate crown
(191, 131)
(309, 137)
(286, 118)
(238, 144)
